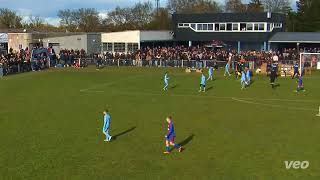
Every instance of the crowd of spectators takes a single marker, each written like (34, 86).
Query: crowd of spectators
(69, 57)
(195, 56)
(173, 56)
(37, 59)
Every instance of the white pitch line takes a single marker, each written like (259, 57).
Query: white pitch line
(284, 100)
(271, 105)
(215, 97)
(97, 86)
(206, 96)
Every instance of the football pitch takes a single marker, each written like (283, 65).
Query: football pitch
(51, 126)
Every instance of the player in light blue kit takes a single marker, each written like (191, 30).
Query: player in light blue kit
(210, 72)
(203, 83)
(106, 125)
(166, 82)
(243, 80)
(248, 76)
(226, 71)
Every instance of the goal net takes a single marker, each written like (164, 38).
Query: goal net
(309, 62)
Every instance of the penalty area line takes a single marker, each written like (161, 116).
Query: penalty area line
(271, 105)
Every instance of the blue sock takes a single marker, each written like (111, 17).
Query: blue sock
(167, 148)
(177, 146)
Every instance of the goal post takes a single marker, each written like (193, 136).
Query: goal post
(310, 61)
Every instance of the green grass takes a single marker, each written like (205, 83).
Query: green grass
(50, 129)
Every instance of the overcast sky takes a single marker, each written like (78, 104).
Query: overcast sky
(48, 8)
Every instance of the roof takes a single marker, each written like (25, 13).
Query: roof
(229, 17)
(296, 37)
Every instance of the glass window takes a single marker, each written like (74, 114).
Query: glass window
(107, 47)
(186, 25)
(205, 27)
(268, 27)
(222, 27)
(199, 27)
(229, 27)
(243, 26)
(119, 47)
(278, 25)
(193, 26)
(235, 27)
(132, 47)
(261, 27)
(210, 27)
(249, 26)
(180, 25)
(256, 27)
(216, 27)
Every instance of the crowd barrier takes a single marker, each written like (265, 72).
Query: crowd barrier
(22, 67)
(35, 65)
(173, 63)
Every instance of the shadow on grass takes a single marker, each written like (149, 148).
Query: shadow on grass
(174, 86)
(187, 140)
(123, 133)
(275, 86)
(209, 88)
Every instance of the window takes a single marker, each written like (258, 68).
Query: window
(235, 27)
(216, 27)
(256, 27)
(205, 27)
(229, 27)
(222, 27)
(261, 27)
(180, 25)
(133, 47)
(210, 27)
(199, 27)
(243, 26)
(249, 27)
(186, 25)
(193, 26)
(107, 47)
(268, 27)
(278, 25)
(119, 47)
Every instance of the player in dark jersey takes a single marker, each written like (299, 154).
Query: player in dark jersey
(296, 70)
(273, 74)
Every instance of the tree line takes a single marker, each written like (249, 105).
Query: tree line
(143, 16)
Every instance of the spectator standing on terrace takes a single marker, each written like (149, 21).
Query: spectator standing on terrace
(138, 59)
(226, 72)
(149, 57)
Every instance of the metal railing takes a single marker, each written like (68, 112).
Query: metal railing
(154, 63)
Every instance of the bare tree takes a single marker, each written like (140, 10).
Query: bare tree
(36, 22)
(9, 19)
(193, 6)
(255, 6)
(235, 6)
(282, 6)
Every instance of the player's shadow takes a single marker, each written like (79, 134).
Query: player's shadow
(275, 86)
(123, 133)
(174, 86)
(187, 140)
(209, 88)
